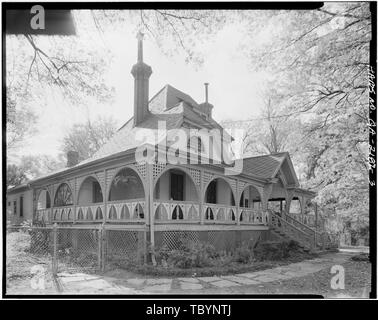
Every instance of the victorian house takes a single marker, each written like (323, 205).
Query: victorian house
(121, 186)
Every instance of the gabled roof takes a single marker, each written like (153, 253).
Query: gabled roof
(268, 167)
(167, 98)
(182, 114)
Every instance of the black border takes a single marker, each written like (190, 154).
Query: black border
(141, 299)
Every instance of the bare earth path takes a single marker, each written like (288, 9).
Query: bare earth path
(306, 277)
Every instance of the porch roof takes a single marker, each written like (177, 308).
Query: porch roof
(265, 166)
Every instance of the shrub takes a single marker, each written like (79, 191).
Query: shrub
(361, 257)
(276, 250)
(189, 254)
(244, 253)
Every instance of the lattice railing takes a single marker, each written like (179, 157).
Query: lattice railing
(253, 216)
(129, 210)
(176, 210)
(219, 212)
(292, 231)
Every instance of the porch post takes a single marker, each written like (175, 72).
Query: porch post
(75, 202)
(105, 196)
(201, 196)
(289, 198)
(267, 191)
(237, 203)
(150, 193)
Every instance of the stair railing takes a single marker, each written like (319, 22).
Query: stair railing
(278, 224)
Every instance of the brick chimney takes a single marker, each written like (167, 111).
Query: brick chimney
(72, 158)
(141, 73)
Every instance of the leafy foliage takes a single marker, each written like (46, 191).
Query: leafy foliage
(87, 138)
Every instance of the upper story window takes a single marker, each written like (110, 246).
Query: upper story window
(195, 144)
(63, 196)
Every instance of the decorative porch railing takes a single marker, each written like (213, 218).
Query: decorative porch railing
(63, 214)
(93, 212)
(284, 227)
(219, 213)
(300, 225)
(253, 216)
(126, 210)
(43, 215)
(303, 218)
(176, 210)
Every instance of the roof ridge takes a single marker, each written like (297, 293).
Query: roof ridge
(267, 155)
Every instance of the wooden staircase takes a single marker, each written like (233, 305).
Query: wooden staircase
(291, 229)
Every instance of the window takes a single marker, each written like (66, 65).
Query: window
(9, 203)
(177, 186)
(97, 193)
(21, 206)
(195, 144)
(15, 207)
(63, 196)
(48, 200)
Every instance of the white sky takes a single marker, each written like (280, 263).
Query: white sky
(234, 88)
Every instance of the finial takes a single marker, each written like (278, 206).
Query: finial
(206, 91)
(140, 36)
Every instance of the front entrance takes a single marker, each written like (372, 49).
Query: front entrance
(177, 187)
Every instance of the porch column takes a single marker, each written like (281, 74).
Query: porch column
(237, 203)
(304, 200)
(150, 204)
(289, 198)
(75, 201)
(201, 197)
(34, 208)
(105, 196)
(267, 191)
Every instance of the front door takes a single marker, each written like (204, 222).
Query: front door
(177, 187)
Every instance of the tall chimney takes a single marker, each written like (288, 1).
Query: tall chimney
(72, 158)
(141, 73)
(206, 92)
(206, 107)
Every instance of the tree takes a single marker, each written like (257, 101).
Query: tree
(272, 131)
(32, 167)
(74, 66)
(15, 175)
(86, 138)
(322, 58)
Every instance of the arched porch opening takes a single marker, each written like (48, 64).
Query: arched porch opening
(63, 202)
(90, 192)
(176, 196)
(44, 200)
(126, 196)
(43, 206)
(219, 201)
(250, 205)
(90, 199)
(277, 199)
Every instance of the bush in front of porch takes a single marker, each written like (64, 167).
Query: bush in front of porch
(193, 258)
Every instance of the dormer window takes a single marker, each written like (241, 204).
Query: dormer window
(195, 144)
